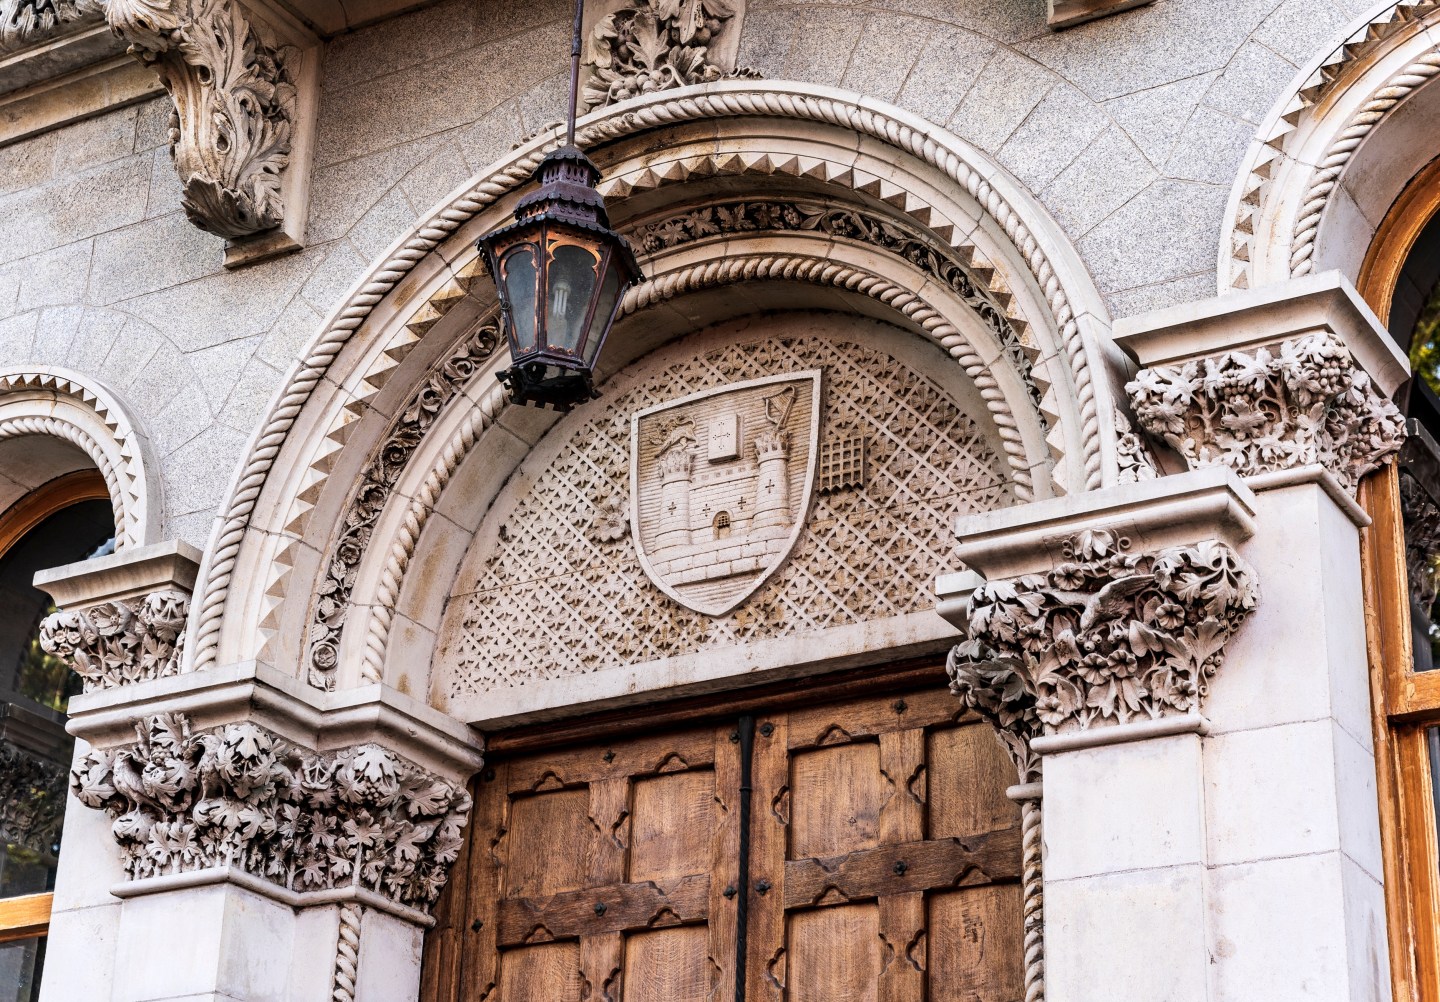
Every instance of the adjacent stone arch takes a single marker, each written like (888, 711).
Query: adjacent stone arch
(865, 208)
(1337, 149)
(81, 423)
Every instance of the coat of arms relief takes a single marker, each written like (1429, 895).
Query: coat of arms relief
(721, 483)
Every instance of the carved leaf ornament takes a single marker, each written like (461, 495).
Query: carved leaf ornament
(241, 796)
(1109, 636)
(235, 104)
(1305, 402)
(655, 45)
(118, 642)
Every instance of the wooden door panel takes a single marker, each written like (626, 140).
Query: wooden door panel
(884, 864)
(977, 944)
(970, 772)
(549, 971)
(672, 825)
(548, 835)
(669, 965)
(835, 798)
(834, 954)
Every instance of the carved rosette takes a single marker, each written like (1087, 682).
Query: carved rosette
(1107, 637)
(238, 795)
(235, 106)
(123, 641)
(653, 45)
(1302, 402)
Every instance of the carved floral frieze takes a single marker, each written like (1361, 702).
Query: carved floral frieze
(128, 640)
(655, 45)
(1109, 636)
(1304, 401)
(241, 796)
(377, 484)
(234, 91)
(730, 218)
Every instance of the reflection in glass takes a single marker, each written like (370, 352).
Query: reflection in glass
(35, 689)
(20, 965)
(521, 275)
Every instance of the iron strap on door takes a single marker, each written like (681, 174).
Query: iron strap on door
(745, 734)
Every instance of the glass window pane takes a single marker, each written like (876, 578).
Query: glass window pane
(572, 283)
(603, 308)
(20, 964)
(35, 688)
(519, 268)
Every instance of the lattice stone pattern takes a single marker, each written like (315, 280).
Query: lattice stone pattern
(563, 592)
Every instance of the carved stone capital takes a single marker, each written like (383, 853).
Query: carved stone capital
(127, 640)
(235, 82)
(1106, 610)
(1302, 402)
(1270, 380)
(122, 617)
(1108, 636)
(240, 796)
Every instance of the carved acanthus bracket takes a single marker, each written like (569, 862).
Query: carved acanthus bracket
(128, 640)
(1109, 636)
(639, 47)
(1304, 401)
(239, 124)
(238, 795)
(28, 22)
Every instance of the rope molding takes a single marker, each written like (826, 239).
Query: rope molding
(17, 427)
(708, 274)
(1326, 177)
(710, 101)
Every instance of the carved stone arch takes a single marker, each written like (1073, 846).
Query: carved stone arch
(415, 318)
(86, 425)
(1355, 126)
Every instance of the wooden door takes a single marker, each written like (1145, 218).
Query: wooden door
(883, 859)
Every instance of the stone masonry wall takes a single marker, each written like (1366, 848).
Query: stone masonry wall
(1130, 130)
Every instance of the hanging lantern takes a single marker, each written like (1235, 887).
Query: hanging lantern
(560, 272)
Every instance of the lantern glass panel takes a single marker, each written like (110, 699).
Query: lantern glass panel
(518, 268)
(571, 279)
(604, 307)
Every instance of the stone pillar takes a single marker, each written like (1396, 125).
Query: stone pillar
(772, 488)
(1289, 386)
(288, 842)
(1100, 620)
(1204, 753)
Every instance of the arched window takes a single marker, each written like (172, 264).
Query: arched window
(66, 520)
(1400, 279)
(722, 525)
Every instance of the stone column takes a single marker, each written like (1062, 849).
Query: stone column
(1095, 631)
(1204, 752)
(1290, 387)
(676, 476)
(241, 836)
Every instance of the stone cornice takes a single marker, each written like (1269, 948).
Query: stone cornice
(1106, 610)
(1270, 380)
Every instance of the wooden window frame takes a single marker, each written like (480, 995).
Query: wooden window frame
(27, 916)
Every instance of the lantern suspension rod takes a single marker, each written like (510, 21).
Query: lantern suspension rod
(574, 71)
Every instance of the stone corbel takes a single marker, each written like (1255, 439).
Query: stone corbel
(1270, 381)
(1101, 617)
(243, 80)
(122, 617)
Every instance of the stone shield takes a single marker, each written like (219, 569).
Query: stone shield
(721, 483)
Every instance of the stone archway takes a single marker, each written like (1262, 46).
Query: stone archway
(867, 208)
(1335, 151)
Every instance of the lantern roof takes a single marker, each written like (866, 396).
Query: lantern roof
(567, 195)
